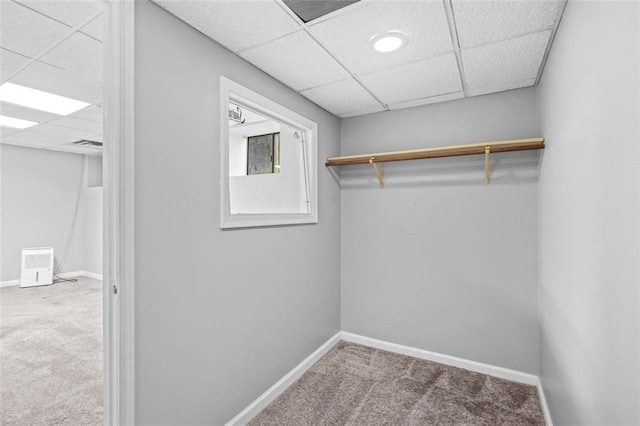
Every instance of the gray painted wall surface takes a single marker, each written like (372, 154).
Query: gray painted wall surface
(447, 264)
(589, 183)
(94, 171)
(92, 228)
(38, 191)
(220, 316)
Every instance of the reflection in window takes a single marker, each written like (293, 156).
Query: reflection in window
(263, 154)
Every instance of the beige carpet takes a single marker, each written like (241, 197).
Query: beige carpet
(358, 385)
(51, 354)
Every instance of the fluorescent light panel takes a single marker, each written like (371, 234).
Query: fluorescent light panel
(16, 123)
(37, 99)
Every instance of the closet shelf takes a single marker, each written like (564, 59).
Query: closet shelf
(441, 151)
(485, 148)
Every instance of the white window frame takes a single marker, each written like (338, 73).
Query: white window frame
(236, 93)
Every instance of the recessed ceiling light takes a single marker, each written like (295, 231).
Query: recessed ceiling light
(16, 123)
(388, 41)
(37, 99)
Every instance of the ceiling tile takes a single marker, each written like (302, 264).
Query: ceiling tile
(6, 131)
(234, 24)
(348, 34)
(431, 77)
(508, 61)
(27, 32)
(342, 97)
(60, 82)
(45, 135)
(94, 28)
(297, 61)
(475, 91)
(79, 53)
(10, 62)
(18, 111)
(13, 140)
(481, 22)
(75, 150)
(78, 123)
(427, 101)
(91, 113)
(379, 108)
(71, 13)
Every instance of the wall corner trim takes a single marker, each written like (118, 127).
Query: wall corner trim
(281, 385)
(543, 404)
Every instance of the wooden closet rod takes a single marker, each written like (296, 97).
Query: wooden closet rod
(443, 151)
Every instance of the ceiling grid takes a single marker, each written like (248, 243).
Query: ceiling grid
(54, 47)
(487, 41)
(456, 49)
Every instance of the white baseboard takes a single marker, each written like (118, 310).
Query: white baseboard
(479, 367)
(92, 275)
(543, 404)
(274, 391)
(9, 283)
(63, 275)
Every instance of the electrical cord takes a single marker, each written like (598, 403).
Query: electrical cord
(64, 280)
(67, 244)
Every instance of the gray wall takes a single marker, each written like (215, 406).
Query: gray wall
(94, 171)
(589, 183)
(92, 221)
(438, 260)
(220, 315)
(38, 191)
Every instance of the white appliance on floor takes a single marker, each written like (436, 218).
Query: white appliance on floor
(37, 266)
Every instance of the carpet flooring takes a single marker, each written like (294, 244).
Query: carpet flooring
(51, 354)
(359, 385)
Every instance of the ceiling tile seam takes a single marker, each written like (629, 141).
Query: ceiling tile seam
(89, 35)
(26, 6)
(453, 30)
(428, 97)
(310, 34)
(365, 74)
(293, 16)
(54, 119)
(262, 43)
(71, 32)
(324, 84)
(406, 100)
(62, 126)
(20, 144)
(550, 42)
(528, 33)
(29, 58)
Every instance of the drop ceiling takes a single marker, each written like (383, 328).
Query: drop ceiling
(456, 48)
(54, 46)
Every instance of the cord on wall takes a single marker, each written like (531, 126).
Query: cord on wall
(67, 244)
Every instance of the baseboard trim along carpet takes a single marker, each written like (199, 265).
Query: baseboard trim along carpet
(274, 391)
(478, 367)
(64, 275)
(543, 404)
